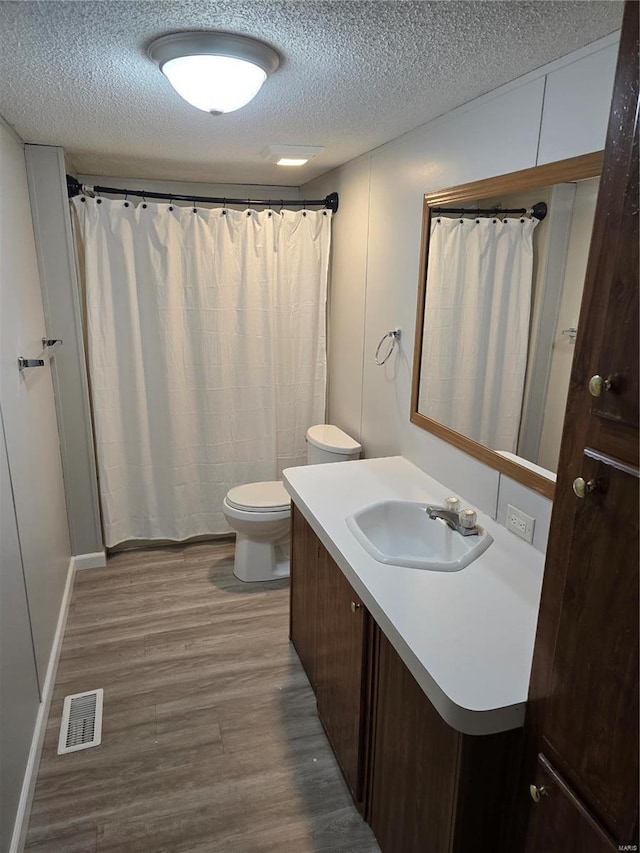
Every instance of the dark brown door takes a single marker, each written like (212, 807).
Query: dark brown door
(583, 698)
(560, 824)
(303, 610)
(341, 648)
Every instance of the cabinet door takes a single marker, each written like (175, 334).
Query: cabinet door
(591, 718)
(415, 764)
(303, 591)
(342, 629)
(559, 821)
(616, 269)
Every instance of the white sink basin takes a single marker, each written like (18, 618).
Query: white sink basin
(401, 533)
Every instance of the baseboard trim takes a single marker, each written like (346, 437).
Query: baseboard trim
(31, 773)
(97, 560)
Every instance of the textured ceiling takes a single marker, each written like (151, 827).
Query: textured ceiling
(353, 76)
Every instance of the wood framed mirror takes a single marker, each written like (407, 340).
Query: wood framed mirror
(499, 295)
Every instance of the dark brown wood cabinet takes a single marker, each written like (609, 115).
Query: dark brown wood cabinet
(422, 785)
(305, 554)
(562, 825)
(593, 710)
(582, 721)
(341, 675)
(330, 629)
(432, 787)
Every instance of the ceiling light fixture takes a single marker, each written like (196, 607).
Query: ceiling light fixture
(291, 155)
(215, 72)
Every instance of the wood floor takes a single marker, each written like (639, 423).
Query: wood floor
(210, 737)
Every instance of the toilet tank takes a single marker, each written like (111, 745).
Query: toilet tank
(327, 443)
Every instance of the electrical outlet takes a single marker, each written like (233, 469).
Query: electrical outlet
(520, 523)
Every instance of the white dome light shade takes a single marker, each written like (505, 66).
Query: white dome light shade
(215, 84)
(215, 72)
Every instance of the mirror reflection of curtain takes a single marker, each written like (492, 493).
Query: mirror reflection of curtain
(476, 326)
(206, 341)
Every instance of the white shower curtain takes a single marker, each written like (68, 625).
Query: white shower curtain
(206, 341)
(476, 326)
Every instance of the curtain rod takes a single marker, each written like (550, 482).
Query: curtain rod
(539, 210)
(74, 188)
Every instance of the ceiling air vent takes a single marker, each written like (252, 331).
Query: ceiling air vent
(81, 721)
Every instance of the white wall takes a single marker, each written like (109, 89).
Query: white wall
(556, 112)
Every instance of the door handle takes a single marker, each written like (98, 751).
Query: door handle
(29, 362)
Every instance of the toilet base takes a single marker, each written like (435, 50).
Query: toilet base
(260, 561)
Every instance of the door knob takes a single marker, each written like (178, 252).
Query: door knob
(583, 487)
(597, 385)
(537, 791)
(355, 605)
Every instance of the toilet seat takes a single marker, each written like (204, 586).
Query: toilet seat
(259, 497)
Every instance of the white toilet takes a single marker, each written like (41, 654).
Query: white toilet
(260, 513)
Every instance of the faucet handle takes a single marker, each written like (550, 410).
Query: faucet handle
(452, 504)
(468, 518)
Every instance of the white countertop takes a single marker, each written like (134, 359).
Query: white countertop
(466, 636)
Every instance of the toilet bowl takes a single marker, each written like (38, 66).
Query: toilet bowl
(260, 513)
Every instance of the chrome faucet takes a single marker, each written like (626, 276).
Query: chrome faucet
(452, 519)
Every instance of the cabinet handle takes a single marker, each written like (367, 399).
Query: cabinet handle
(537, 791)
(597, 385)
(355, 605)
(582, 487)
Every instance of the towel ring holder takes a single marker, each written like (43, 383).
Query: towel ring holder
(394, 336)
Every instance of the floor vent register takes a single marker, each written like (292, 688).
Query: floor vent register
(81, 725)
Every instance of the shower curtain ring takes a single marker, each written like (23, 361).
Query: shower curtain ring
(144, 203)
(170, 202)
(193, 202)
(126, 193)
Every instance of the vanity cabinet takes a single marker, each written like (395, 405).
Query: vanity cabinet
(329, 629)
(342, 677)
(432, 787)
(305, 552)
(423, 786)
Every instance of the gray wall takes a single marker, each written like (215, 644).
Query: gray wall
(63, 317)
(19, 697)
(33, 504)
